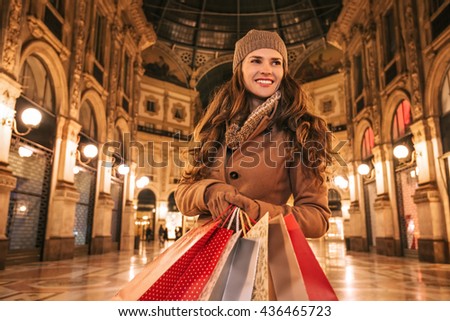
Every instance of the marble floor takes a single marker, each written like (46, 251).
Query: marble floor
(355, 276)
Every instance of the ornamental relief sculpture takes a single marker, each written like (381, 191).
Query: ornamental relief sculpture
(413, 63)
(12, 36)
(78, 58)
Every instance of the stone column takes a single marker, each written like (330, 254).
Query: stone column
(433, 246)
(101, 231)
(386, 240)
(355, 238)
(9, 91)
(59, 239)
(128, 214)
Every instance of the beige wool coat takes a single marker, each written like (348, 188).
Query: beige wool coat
(259, 170)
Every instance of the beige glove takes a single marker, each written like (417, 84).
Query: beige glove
(215, 198)
(248, 205)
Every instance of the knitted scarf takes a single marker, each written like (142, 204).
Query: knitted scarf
(235, 136)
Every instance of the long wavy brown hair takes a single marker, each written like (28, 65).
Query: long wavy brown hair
(308, 133)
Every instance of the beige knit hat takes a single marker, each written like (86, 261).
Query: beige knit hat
(257, 39)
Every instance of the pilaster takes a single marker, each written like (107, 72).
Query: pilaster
(101, 234)
(9, 91)
(127, 237)
(386, 243)
(60, 241)
(433, 247)
(357, 240)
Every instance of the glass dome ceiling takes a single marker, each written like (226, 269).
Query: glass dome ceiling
(217, 25)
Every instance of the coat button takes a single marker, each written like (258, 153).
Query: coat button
(234, 175)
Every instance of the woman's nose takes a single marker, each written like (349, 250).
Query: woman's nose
(266, 68)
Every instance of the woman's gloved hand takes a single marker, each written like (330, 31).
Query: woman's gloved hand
(248, 205)
(215, 198)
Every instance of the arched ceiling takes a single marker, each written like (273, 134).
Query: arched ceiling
(217, 25)
(200, 31)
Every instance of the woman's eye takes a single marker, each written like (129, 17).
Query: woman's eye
(256, 61)
(277, 63)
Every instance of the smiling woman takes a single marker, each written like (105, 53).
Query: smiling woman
(258, 126)
(263, 71)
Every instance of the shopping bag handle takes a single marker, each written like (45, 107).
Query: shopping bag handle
(229, 212)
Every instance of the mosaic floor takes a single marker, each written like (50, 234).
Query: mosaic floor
(354, 276)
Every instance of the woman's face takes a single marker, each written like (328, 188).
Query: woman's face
(263, 71)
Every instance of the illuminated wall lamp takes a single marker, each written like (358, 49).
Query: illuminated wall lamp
(123, 169)
(340, 182)
(363, 169)
(89, 151)
(401, 151)
(31, 118)
(142, 182)
(25, 152)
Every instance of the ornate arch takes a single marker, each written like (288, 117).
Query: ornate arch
(52, 61)
(390, 109)
(316, 46)
(98, 109)
(359, 136)
(435, 80)
(122, 124)
(210, 65)
(150, 187)
(186, 71)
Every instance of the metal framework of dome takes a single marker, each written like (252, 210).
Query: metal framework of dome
(217, 25)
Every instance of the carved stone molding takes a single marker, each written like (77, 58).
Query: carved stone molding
(9, 91)
(77, 67)
(141, 24)
(7, 180)
(39, 30)
(66, 191)
(338, 30)
(410, 35)
(12, 36)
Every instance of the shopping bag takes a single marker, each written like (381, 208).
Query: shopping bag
(239, 285)
(316, 282)
(286, 276)
(260, 231)
(220, 266)
(134, 289)
(236, 278)
(185, 279)
(191, 284)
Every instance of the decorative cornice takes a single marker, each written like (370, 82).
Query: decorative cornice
(141, 24)
(344, 23)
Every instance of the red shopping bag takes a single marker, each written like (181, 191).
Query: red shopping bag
(191, 284)
(186, 278)
(134, 289)
(316, 282)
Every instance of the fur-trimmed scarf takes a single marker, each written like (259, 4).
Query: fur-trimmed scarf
(236, 135)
